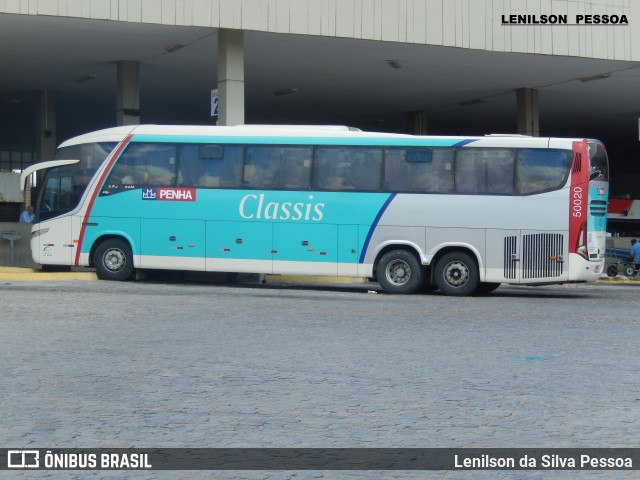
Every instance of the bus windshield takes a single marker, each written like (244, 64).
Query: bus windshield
(64, 186)
(598, 160)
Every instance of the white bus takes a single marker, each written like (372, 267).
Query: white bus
(459, 214)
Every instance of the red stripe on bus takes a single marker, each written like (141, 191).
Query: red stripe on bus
(578, 193)
(106, 171)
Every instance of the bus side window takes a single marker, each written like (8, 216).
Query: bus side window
(160, 167)
(231, 167)
(129, 169)
(431, 170)
(541, 170)
(470, 175)
(217, 166)
(348, 168)
(396, 171)
(500, 172)
(295, 171)
(190, 166)
(485, 170)
(261, 166)
(365, 172)
(151, 164)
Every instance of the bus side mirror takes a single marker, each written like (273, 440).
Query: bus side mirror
(40, 166)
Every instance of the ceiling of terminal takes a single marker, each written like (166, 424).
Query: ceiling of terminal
(303, 79)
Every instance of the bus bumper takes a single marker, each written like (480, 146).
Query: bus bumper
(582, 270)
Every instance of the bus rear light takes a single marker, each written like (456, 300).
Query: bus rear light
(581, 244)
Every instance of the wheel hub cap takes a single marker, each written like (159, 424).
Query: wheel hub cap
(398, 272)
(114, 260)
(456, 274)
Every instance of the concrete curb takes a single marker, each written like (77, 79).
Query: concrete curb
(620, 280)
(30, 274)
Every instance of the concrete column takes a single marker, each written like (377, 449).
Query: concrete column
(418, 122)
(46, 126)
(128, 102)
(231, 77)
(528, 115)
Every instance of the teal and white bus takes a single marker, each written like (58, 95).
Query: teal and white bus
(459, 214)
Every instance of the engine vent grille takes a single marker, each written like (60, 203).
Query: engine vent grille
(510, 252)
(542, 255)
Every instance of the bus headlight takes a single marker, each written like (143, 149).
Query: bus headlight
(581, 243)
(37, 233)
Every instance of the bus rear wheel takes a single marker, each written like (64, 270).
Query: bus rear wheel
(457, 274)
(113, 260)
(400, 272)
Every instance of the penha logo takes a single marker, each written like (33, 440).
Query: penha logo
(148, 193)
(170, 194)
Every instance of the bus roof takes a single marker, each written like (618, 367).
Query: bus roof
(118, 134)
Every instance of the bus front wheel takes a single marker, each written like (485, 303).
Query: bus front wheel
(113, 260)
(457, 274)
(400, 272)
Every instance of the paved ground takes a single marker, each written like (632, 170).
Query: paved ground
(150, 364)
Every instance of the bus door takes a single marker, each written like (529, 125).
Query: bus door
(305, 248)
(56, 246)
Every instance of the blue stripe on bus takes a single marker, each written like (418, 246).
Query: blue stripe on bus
(333, 141)
(462, 143)
(374, 225)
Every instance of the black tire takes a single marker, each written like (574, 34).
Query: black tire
(457, 274)
(612, 270)
(485, 288)
(400, 272)
(113, 260)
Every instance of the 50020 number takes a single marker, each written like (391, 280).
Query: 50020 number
(576, 202)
